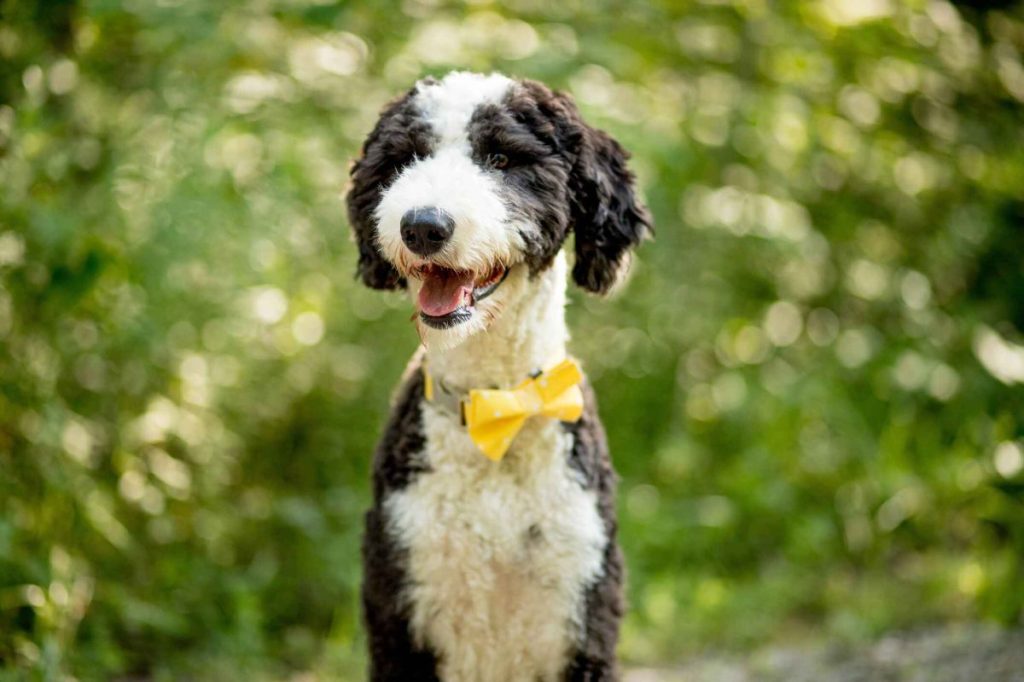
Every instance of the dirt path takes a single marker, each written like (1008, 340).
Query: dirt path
(969, 654)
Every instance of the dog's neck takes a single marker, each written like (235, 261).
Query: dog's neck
(528, 335)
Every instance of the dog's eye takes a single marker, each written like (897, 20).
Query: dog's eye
(498, 161)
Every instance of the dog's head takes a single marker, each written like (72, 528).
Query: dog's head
(471, 180)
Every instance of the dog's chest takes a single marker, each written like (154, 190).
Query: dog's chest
(500, 555)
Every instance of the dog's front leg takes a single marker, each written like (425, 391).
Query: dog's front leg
(595, 661)
(394, 655)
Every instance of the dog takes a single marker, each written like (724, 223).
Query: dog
(490, 551)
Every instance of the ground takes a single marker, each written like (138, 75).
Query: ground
(967, 654)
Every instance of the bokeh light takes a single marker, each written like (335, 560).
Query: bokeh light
(812, 383)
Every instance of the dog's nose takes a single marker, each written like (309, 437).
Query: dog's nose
(425, 230)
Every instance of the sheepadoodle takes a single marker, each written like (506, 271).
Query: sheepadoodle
(490, 551)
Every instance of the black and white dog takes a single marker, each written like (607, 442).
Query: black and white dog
(475, 569)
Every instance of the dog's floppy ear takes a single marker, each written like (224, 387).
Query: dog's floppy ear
(607, 215)
(387, 147)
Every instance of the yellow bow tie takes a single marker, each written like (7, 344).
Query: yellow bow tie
(494, 417)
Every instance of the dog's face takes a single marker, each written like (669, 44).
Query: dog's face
(468, 187)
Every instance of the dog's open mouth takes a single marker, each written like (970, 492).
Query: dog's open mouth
(447, 296)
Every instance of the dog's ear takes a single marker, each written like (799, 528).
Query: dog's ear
(608, 217)
(387, 147)
(606, 212)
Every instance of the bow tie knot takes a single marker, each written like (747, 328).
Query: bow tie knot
(493, 417)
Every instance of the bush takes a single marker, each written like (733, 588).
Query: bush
(812, 385)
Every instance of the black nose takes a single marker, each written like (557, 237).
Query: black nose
(425, 230)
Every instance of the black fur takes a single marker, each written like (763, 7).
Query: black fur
(399, 137)
(398, 459)
(595, 659)
(537, 177)
(607, 216)
(563, 175)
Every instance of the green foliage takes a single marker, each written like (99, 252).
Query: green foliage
(812, 384)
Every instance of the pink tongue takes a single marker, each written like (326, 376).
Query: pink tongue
(442, 294)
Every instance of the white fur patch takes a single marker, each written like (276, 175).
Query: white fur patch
(500, 554)
(449, 104)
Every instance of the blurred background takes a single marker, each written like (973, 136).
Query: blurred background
(812, 384)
